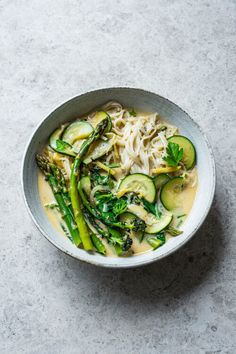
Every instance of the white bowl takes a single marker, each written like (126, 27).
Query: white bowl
(145, 101)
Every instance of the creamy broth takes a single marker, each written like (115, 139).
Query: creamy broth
(46, 197)
(135, 155)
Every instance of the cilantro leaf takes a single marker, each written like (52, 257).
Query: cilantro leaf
(174, 154)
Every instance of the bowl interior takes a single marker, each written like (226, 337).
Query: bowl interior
(138, 99)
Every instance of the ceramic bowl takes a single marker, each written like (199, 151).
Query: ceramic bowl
(142, 100)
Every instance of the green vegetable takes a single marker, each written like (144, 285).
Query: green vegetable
(66, 231)
(114, 165)
(133, 113)
(57, 183)
(77, 130)
(108, 203)
(99, 116)
(75, 199)
(92, 223)
(160, 180)
(160, 224)
(127, 217)
(170, 194)
(119, 206)
(181, 216)
(153, 224)
(120, 239)
(51, 206)
(59, 145)
(151, 208)
(118, 249)
(157, 241)
(139, 225)
(189, 152)
(174, 154)
(140, 184)
(98, 244)
(64, 148)
(103, 180)
(86, 184)
(104, 167)
(107, 217)
(173, 232)
(98, 149)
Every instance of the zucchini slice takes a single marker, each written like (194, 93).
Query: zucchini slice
(171, 193)
(127, 217)
(160, 180)
(59, 145)
(77, 145)
(99, 116)
(154, 225)
(159, 224)
(140, 184)
(98, 149)
(76, 131)
(189, 157)
(86, 184)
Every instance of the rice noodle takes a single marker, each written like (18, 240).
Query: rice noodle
(141, 140)
(139, 143)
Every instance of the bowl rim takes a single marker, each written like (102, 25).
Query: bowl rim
(116, 265)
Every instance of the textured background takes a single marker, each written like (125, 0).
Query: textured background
(53, 50)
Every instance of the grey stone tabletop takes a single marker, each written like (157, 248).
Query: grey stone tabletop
(54, 50)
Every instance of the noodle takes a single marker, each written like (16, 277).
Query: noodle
(141, 140)
(139, 143)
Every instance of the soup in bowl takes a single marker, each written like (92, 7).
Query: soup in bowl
(118, 179)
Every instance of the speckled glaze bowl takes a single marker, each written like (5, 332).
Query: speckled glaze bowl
(142, 100)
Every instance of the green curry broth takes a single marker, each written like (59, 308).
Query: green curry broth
(46, 197)
(180, 214)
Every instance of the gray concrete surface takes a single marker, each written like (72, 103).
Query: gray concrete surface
(53, 50)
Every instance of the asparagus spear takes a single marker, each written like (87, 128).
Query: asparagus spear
(113, 236)
(98, 244)
(75, 199)
(90, 220)
(57, 183)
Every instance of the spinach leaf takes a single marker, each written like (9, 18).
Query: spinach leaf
(151, 208)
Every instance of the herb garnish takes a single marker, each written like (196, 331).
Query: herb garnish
(174, 154)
